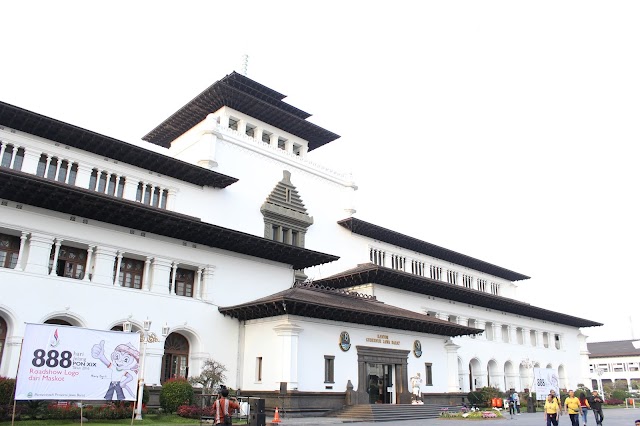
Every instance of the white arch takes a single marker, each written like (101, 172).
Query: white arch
(562, 375)
(73, 319)
(510, 376)
(461, 375)
(476, 375)
(494, 375)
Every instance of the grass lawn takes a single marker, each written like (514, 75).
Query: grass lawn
(149, 419)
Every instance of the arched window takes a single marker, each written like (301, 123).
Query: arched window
(58, 321)
(3, 336)
(176, 356)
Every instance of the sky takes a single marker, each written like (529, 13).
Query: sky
(504, 130)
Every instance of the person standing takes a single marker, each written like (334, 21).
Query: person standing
(551, 410)
(516, 402)
(224, 407)
(596, 406)
(572, 405)
(584, 407)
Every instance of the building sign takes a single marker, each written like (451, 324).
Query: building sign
(345, 341)
(73, 363)
(417, 348)
(384, 339)
(544, 380)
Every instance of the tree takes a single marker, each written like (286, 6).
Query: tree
(212, 375)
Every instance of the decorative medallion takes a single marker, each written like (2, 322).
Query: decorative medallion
(417, 348)
(345, 341)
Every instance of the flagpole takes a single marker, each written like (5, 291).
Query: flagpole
(15, 384)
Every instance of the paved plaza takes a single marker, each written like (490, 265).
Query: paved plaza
(612, 417)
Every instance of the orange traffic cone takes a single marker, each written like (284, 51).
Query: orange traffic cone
(276, 417)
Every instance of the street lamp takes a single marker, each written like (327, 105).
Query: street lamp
(146, 336)
(600, 371)
(528, 364)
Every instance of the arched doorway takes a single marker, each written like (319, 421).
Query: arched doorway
(475, 374)
(461, 375)
(176, 357)
(509, 376)
(3, 337)
(524, 377)
(493, 375)
(562, 375)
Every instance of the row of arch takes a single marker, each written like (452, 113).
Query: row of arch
(177, 344)
(504, 377)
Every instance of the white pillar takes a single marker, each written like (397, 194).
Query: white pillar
(146, 280)
(39, 253)
(481, 325)
(288, 334)
(452, 366)
(526, 337)
(161, 276)
(54, 265)
(84, 176)
(198, 293)
(513, 334)
(153, 363)
(497, 332)
(23, 240)
(174, 269)
(105, 261)
(30, 161)
(207, 283)
(171, 199)
(13, 158)
(116, 279)
(87, 268)
(11, 355)
(130, 189)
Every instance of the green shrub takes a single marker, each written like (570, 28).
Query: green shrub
(7, 387)
(174, 393)
(482, 397)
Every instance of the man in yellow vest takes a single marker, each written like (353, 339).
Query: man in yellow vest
(572, 405)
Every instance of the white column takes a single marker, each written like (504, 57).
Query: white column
(274, 140)
(224, 121)
(526, 336)
(242, 126)
(288, 334)
(67, 178)
(452, 366)
(304, 149)
(146, 278)
(497, 332)
(174, 269)
(116, 279)
(257, 133)
(153, 363)
(198, 294)
(288, 146)
(30, 161)
(130, 189)
(84, 176)
(87, 268)
(207, 283)
(513, 334)
(11, 355)
(23, 240)
(13, 158)
(171, 199)
(105, 261)
(48, 166)
(481, 325)
(55, 258)
(161, 277)
(2, 150)
(39, 253)
(539, 342)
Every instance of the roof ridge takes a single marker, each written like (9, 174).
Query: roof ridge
(310, 285)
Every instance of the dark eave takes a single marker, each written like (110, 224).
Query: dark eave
(105, 146)
(376, 232)
(374, 274)
(249, 97)
(331, 305)
(36, 191)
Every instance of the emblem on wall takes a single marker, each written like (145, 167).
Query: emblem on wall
(345, 341)
(417, 348)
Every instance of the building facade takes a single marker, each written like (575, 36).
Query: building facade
(615, 363)
(222, 229)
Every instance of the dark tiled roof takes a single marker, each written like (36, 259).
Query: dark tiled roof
(611, 349)
(86, 140)
(376, 232)
(370, 273)
(249, 97)
(36, 191)
(313, 301)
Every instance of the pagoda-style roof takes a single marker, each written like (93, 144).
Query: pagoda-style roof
(315, 301)
(249, 97)
(612, 349)
(105, 146)
(373, 274)
(366, 229)
(57, 196)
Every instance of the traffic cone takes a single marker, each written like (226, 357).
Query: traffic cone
(276, 417)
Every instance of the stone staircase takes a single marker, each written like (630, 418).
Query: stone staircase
(391, 412)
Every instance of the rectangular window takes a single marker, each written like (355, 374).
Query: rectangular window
(9, 250)
(435, 272)
(250, 130)
(397, 262)
(73, 172)
(266, 137)
(376, 256)
(482, 285)
(417, 268)
(452, 277)
(131, 273)
(467, 281)
(42, 166)
(72, 262)
(556, 339)
(259, 369)
(282, 143)
(495, 289)
(328, 368)
(294, 238)
(296, 149)
(275, 232)
(428, 377)
(8, 155)
(233, 123)
(184, 282)
(285, 235)
(53, 165)
(102, 182)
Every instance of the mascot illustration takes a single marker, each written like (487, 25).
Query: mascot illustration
(123, 365)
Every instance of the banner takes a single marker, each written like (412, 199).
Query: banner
(545, 379)
(73, 363)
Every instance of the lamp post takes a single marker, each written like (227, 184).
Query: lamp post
(600, 371)
(146, 336)
(528, 364)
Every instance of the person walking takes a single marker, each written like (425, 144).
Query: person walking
(224, 407)
(572, 405)
(516, 402)
(557, 398)
(596, 406)
(584, 407)
(551, 410)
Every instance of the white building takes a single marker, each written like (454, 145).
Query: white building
(206, 233)
(614, 362)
